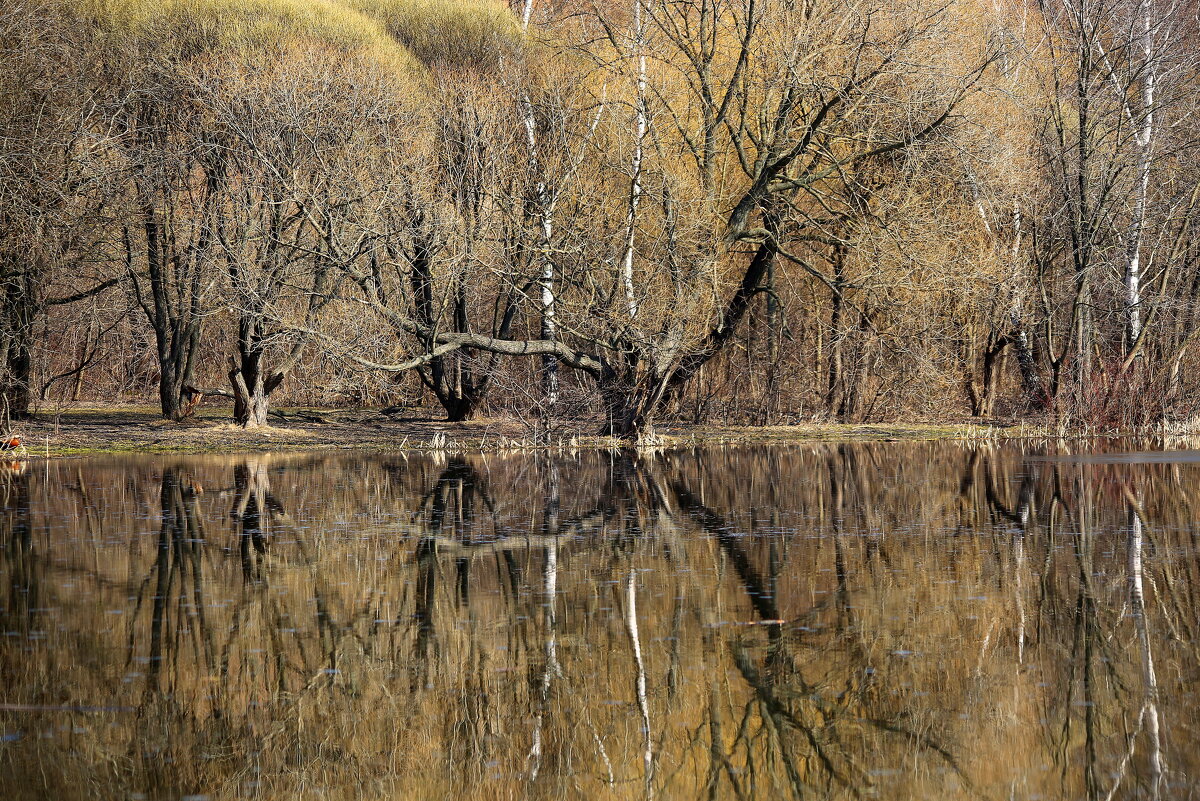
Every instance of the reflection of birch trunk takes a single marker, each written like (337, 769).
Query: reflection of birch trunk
(550, 582)
(1024, 511)
(1019, 553)
(551, 657)
(631, 625)
(1137, 603)
(1148, 716)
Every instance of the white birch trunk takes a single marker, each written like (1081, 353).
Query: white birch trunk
(1143, 135)
(545, 209)
(635, 192)
(550, 653)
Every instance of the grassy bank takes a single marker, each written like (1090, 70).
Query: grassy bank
(124, 429)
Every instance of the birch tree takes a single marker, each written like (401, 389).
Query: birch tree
(543, 208)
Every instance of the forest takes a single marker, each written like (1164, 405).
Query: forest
(615, 212)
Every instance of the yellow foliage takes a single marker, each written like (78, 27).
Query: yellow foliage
(474, 32)
(434, 31)
(244, 26)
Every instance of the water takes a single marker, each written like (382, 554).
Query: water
(869, 621)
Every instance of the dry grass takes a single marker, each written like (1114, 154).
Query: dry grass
(81, 429)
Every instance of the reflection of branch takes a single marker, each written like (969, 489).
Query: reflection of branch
(1131, 744)
(778, 713)
(760, 596)
(602, 751)
(448, 546)
(924, 742)
(720, 759)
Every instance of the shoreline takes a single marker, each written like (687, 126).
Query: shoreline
(116, 429)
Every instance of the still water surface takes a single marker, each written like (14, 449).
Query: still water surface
(886, 621)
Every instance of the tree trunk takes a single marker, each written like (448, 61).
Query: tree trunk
(544, 203)
(1144, 139)
(21, 309)
(177, 347)
(19, 361)
(1085, 230)
(464, 406)
(549, 329)
(1031, 379)
(774, 324)
(635, 191)
(251, 390)
(176, 323)
(629, 406)
(250, 403)
(835, 385)
(451, 378)
(170, 402)
(982, 395)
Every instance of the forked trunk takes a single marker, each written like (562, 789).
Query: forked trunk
(176, 322)
(982, 392)
(251, 391)
(250, 408)
(629, 409)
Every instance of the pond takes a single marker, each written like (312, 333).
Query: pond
(889, 620)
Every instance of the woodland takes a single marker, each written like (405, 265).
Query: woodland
(616, 212)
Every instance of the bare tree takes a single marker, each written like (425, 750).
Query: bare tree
(53, 192)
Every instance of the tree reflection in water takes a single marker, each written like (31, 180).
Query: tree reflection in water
(894, 620)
